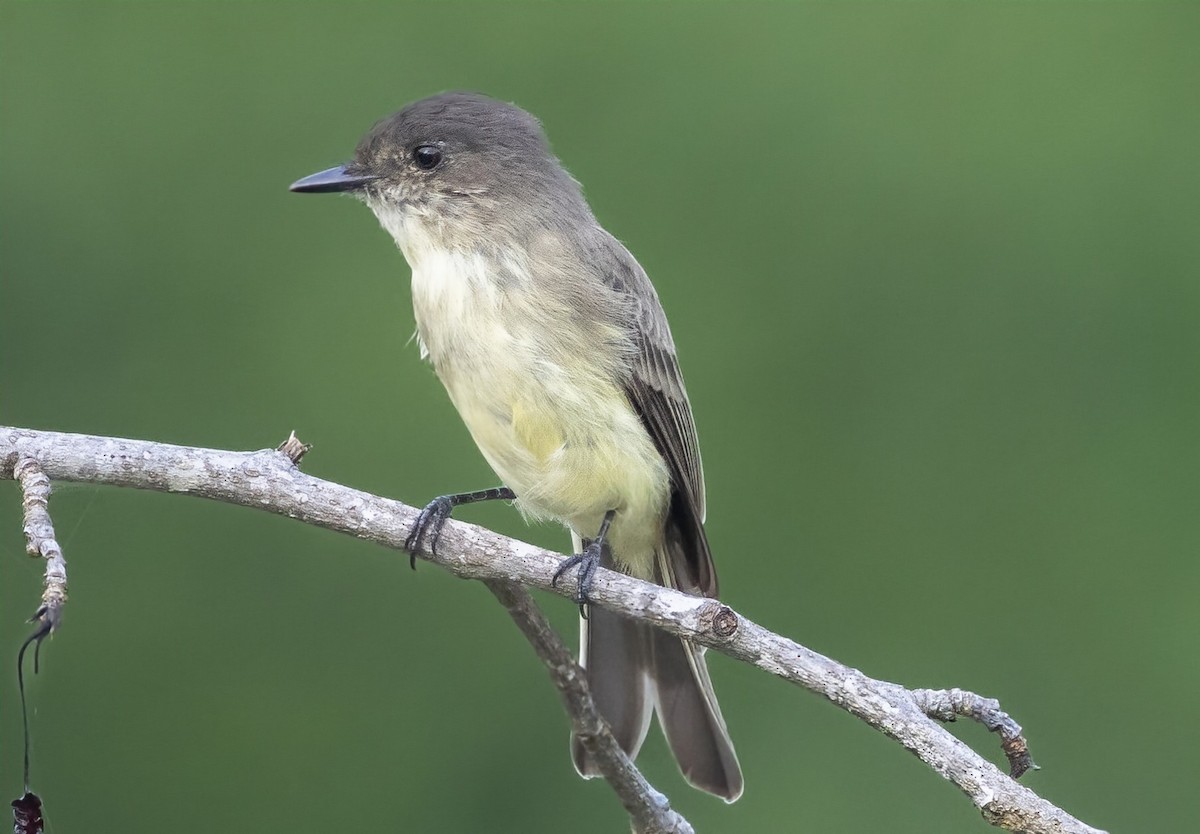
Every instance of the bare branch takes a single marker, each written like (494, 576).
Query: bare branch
(649, 810)
(268, 480)
(949, 704)
(40, 541)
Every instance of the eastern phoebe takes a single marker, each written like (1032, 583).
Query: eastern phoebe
(555, 350)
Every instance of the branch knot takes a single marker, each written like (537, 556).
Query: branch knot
(725, 622)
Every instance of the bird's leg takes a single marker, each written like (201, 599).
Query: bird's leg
(587, 562)
(433, 518)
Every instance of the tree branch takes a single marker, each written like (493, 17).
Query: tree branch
(40, 541)
(269, 480)
(649, 810)
(949, 704)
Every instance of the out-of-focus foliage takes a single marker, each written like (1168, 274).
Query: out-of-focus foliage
(933, 273)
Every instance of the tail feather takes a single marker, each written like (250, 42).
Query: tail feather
(613, 650)
(631, 668)
(690, 717)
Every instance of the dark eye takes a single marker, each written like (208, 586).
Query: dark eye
(427, 157)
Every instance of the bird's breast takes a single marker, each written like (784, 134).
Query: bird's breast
(539, 387)
(455, 301)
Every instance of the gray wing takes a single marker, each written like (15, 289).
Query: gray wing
(655, 389)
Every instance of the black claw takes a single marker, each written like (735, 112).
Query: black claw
(587, 562)
(567, 564)
(429, 526)
(433, 518)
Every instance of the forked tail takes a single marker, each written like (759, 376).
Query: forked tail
(634, 669)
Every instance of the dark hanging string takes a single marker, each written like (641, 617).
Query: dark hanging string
(44, 625)
(27, 810)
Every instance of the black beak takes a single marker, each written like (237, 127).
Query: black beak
(331, 179)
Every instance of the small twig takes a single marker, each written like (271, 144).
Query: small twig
(949, 704)
(41, 542)
(269, 480)
(649, 810)
(293, 448)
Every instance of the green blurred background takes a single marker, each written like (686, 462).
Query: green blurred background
(932, 270)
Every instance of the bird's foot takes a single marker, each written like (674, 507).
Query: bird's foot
(433, 518)
(586, 562)
(428, 527)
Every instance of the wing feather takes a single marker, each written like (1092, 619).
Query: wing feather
(655, 389)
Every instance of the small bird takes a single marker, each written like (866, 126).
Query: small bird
(555, 350)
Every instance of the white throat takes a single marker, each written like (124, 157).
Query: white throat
(454, 289)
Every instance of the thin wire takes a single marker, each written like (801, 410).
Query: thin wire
(37, 637)
(92, 500)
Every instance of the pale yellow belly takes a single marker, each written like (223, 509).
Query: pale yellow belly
(570, 452)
